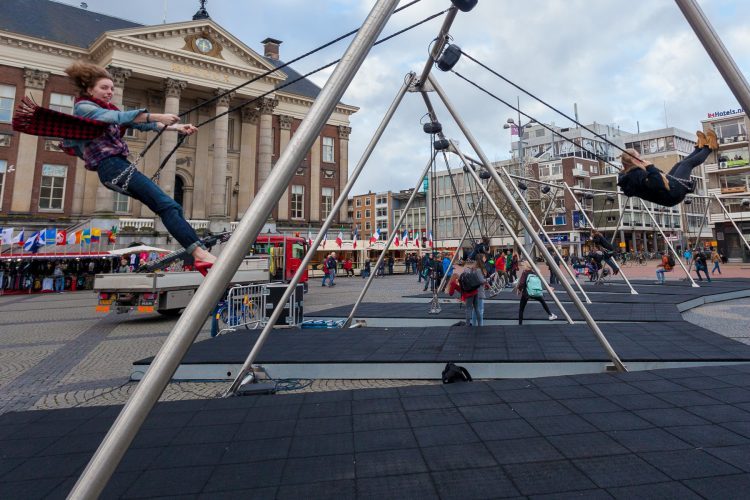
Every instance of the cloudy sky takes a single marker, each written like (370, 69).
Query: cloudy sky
(623, 63)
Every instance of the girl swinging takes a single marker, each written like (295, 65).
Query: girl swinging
(643, 180)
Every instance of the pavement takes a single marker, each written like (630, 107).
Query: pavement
(57, 352)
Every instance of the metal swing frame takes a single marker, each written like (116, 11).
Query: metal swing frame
(110, 452)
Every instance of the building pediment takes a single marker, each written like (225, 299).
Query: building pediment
(201, 42)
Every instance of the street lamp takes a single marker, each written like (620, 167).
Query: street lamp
(510, 123)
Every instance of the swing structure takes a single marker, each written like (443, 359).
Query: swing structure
(107, 457)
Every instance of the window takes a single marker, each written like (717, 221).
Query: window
(298, 202)
(381, 200)
(367, 225)
(328, 156)
(61, 102)
(230, 134)
(130, 132)
(121, 203)
(359, 214)
(539, 132)
(730, 129)
(359, 202)
(594, 169)
(52, 189)
(367, 214)
(327, 205)
(7, 98)
(367, 202)
(381, 212)
(3, 167)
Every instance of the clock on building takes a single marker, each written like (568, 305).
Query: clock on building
(204, 45)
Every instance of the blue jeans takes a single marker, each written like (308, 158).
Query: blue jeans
(330, 276)
(59, 283)
(716, 267)
(147, 192)
(472, 310)
(660, 275)
(477, 317)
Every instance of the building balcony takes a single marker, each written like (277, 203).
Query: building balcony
(733, 139)
(579, 172)
(719, 217)
(130, 224)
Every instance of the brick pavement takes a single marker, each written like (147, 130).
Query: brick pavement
(56, 352)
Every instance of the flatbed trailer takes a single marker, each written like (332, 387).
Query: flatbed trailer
(166, 293)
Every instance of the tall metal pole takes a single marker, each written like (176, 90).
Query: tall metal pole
(118, 439)
(391, 237)
(591, 225)
(736, 228)
(343, 196)
(477, 206)
(522, 163)
(526, 253)
(700, 230)
(716, 51)
(527, 225)
(669, 244)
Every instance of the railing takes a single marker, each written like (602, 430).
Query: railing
(736, 216)
(199, 224)
(578, 172)
(136, 224)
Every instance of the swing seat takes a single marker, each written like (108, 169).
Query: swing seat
(116, 188)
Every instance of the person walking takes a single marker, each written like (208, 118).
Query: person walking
(59, 277)
(530, 287)
(701, 264)
(481, 271)
(716, 259)
(390, 264)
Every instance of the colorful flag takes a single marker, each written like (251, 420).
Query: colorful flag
(79, 237)
(325, 239)
(86, 236)
(71, 239)
(340, 238)
(309, 237)
(429, 239)
(396, 240)
(405, 237)
(96, 235)
(7, 236)
(50, 236)
(32, 244)
(514, 130)
(355, 237)
(375, 236)
(417, 238)
(112, 235)
(18, 239)
(61, 238)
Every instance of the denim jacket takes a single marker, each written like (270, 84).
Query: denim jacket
(109, 144)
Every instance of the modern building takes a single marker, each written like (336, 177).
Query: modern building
(728, 175)
(185, 68)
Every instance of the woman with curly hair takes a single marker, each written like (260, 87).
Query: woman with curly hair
(107, 154)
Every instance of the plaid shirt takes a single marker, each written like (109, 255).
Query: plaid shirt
(95, 151)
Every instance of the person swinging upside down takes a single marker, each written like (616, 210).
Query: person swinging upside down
(643, 180)
(107, 154)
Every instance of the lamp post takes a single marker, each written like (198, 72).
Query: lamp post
(523, 171)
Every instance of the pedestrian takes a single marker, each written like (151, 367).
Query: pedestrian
(447, 268)
(366, 269)
(427, 271)
(348, 268)
(701, 265)
(107, 154)
(390, 264)
(514, 266)
(59, 277)
(530, 287)
(481, 271)
(552, 276)
(665, 266)
(329, 269)
(716, 259)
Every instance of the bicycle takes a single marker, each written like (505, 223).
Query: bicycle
(242, 311)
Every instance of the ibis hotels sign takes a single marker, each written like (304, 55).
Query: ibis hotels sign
(729, 112)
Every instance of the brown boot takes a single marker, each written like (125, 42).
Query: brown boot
(702, 140)
(713, 141)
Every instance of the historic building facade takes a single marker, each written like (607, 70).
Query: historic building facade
(170, 68)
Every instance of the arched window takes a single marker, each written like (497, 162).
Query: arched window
(179, 189)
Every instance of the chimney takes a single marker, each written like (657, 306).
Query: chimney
(271, 48)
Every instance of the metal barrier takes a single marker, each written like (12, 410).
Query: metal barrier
(244, 306)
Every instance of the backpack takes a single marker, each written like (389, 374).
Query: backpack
(670, 260)
(454, 373)
(533, 285)
(469, 281)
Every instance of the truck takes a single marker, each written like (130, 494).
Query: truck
(271, 258)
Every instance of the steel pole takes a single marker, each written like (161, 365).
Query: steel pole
(718, 53)
(343, 196)
(591, 224)
(526, 253)
(118, 439)
(729, 216)
(392, 236)
(669, 244)
(444, 283)
(700, 230)
(486, 194)
(517, 209)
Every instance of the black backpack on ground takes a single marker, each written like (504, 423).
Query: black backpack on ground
(469, 281)
(454, 373)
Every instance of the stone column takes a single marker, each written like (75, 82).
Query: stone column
(344, 166)
(217, 211)
(285, 134)
(187, 200)
(315, 181)
(248, 150)
(172, 91)
(265, 145)
(23, 180)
